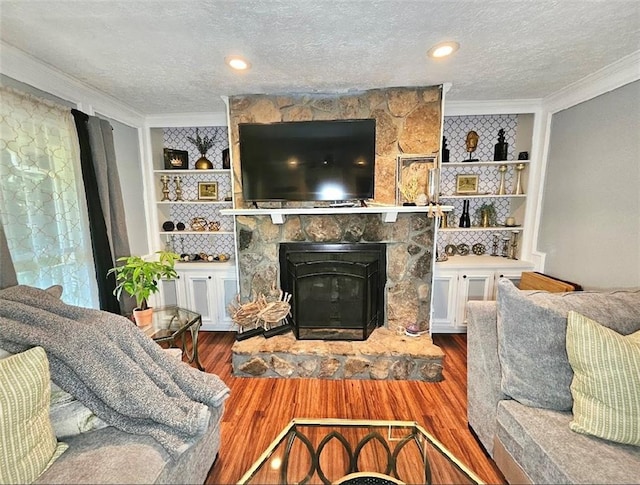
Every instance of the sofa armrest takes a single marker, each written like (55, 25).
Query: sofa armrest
(483, 371)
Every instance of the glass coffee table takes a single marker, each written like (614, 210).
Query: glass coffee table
(170, 325)
(324, 451)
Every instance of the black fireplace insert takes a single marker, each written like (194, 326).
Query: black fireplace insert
(337, 289)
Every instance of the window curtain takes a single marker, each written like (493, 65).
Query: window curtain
(103, 155)
(103, 254)
(42, 200)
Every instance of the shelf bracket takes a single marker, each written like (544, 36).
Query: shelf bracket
(390, 216)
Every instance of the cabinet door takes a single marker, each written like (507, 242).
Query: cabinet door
(514, 276)
(200, 295)
(443, 302)
(472, 285)
(172, 292)
(226, 291)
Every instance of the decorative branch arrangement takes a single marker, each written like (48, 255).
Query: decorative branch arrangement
(260, 312)
(202, 144)
(411, 189)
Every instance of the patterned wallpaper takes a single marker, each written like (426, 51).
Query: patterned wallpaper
(177, 138)
(486, 126)
(207, 242)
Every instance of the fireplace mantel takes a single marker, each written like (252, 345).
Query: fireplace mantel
(390, 213)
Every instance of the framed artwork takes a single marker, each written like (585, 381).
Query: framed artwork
(207, 190)
(414, 176)
(176, 159)
(467, 183)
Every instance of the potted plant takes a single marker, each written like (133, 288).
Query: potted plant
(203, 144)
(486, 215)
(139, 278)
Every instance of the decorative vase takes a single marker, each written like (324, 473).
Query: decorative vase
(203, 163)
(143, 317)
(501, 148)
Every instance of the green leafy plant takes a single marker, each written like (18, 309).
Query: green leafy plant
(139, 278)
(490, 209)
(203, 144)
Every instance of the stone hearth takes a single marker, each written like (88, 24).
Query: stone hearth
(383, 356)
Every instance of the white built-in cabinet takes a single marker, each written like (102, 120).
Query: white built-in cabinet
(203, 287)
(465, 277)
(206, 288)
(454, 285)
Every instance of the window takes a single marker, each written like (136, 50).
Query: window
(42, 204)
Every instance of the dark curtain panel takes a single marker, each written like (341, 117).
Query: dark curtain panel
(7, 271)
(103, 258)
(110, 193)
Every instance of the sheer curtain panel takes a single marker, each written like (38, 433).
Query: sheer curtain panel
(42, 203)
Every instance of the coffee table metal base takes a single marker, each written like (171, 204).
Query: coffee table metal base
(328, 451)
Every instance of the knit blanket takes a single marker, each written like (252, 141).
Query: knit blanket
(112, 367)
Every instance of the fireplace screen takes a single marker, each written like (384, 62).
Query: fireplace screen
(338, 289)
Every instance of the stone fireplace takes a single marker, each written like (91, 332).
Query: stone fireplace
(338, 289)
(408, 244)
(408, 120)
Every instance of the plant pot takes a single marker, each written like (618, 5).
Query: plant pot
(143, 317)
(203, 163)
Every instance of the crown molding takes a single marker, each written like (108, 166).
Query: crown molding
(492, 107)
(186, 119)
(22, 67)
(613, 76)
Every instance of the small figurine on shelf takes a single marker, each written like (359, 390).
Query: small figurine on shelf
(472, 145)
(501, 148)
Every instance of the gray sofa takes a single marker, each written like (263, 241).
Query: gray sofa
(519, 401)
(109, 455)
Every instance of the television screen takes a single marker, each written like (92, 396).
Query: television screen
(308, 160)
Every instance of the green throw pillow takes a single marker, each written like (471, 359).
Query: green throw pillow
(27, 441)
(606, 380)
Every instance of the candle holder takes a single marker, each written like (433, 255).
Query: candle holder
(513, 245)
(494, 246)
(178, 182)
(501, 188)
(505, 246)
(519, 190)
(165, 187)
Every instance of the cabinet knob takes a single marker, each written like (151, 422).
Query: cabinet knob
(501, 276)
(464, 275)
(209, 277)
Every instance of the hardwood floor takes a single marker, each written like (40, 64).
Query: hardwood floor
(258, 409)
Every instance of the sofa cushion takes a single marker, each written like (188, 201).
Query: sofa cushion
(606, 380)
(549, 452)
(26, 436)
(532, 338)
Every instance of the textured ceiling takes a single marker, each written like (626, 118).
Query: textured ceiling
(168, 56)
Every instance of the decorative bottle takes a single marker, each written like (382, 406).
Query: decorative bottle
(465, 220)
(501, 148)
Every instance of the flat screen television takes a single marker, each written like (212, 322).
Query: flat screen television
(308, 160)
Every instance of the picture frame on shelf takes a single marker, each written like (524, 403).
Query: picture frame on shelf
(207, 190)
(467, 183)
(176, 159)
(415, 172)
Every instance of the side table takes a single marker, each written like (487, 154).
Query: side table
(170, 325)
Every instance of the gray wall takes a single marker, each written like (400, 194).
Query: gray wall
(590, 223)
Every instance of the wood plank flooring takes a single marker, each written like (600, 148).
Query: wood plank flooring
(258, 409)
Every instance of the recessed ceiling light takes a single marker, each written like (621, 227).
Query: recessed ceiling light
(237, 62)
(443, 49)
